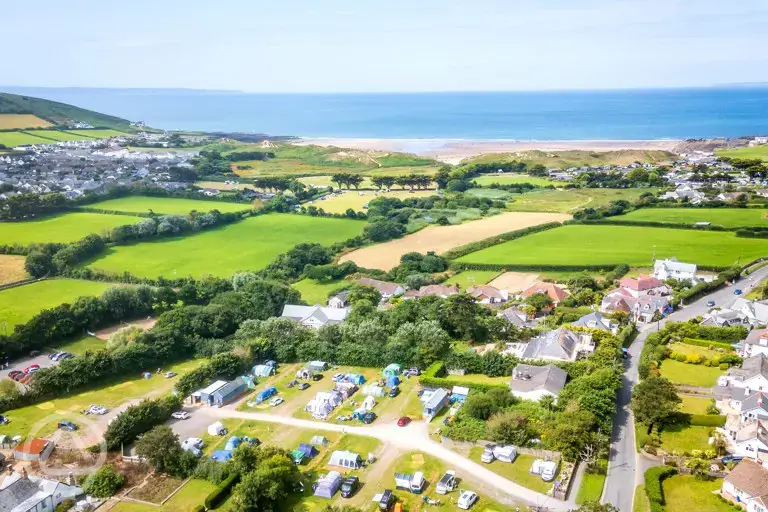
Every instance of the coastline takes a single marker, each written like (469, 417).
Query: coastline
(454, 150)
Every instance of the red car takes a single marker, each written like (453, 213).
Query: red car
(32, 368)
(405, 420)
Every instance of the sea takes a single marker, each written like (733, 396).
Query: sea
(564, 115)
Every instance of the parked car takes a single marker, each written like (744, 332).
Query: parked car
(52, 356)
(737, 291)
(387, 499)
(731, 458)
(4, 420)
(403, 421)
(710, 303)
(303, 386)
(349, 486)
(65, 355)
(32, 368)
(369, 418)
(447, 483)
(317, 376)
(276, 401)
(466, 499)
(170, 375)
(180, 415)
(15, 374)
(99, 410)
(394, 392)
(68, 426)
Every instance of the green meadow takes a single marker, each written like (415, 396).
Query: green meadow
(726, 217)
(166, 205)
(613, 245)
(60, 228)
(13, 139)
(512, 179)
(247, 245)
(566, 201)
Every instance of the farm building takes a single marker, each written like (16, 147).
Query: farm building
(205, 395)
(344, 459)
(435, 403)
(34, 449)
(229, 392)
(263, 370)
(327, 486)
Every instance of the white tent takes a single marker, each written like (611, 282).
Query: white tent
(372, 390)
(319, 441)
(369, 403)
(349, 460)
(319, 409)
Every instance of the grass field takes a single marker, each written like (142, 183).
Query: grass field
(166, 205)
(46, 414)
(576, 157)
(641, 500)
(726, 217)
(511, 179)
(591, 488)
(442, 238)
(572, 199)
(518, 471)
(686, 493)
(694, 404)
(689, 374)
(325, 181)
(685, 348)
(489, 193)
(12, 269)
(13, 139)
(98, 134)
(60, 228)
(19, 304)
(81, 345)
(247, 245)
(314, 292)
(470, 278)
(356, 200)
(748, 153)
(56, 135)
(683, 438)
(613, 245)
(14, 121)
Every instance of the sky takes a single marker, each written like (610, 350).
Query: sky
(386, 45)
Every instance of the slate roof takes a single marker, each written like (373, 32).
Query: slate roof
(594, 320)
(526, 378)
(559, 344)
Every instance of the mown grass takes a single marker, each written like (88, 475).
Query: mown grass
(614, 245)
(358, 199)
(591, 488)
(314, 292)
(566, 201)
(19, 304)
(56, 135)
(247, 245)
(686, 493)
(13, 139)
(689, 374)
(760, 152)
(694, 404)
(726, 217)
(510, 179)
(470, 278)
(518, 471)
(489, 193)
(97, 134)
(166, 205)
(685, 438)
(60, 228)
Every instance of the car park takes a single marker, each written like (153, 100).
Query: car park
(180, 415)
(68, 426)
(403, 421)
(349, 486)
(466, 499)
(276, 401)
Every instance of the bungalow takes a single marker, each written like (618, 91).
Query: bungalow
(597, 320)
(516, 317)
(724, 318)
(34, 449)
(559, 345)
(315, 316)
(22, 493)
(386, 289)
(437, 290)
(555, 293)
(747, 485)
(339, 300)
(673, 269)
(644, 285)
(534, 382)
(485, 294)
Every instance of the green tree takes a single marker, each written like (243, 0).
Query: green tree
(654, 400)
(569, 432)
(539, 301)
(160, 447)
(510, 428)
(360, 292)
(266, 486)
(104, 482)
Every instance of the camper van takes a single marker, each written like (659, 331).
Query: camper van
(447, 483)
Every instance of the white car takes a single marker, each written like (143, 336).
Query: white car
(466, 499)
(99, 410)
(193, 441)
(276, 401)
(169, 375)
(180, 415)
(548, 470)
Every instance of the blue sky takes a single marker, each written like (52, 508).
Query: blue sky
(389, 45)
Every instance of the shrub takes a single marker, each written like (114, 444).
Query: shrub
(653, 490)
(218, 495)
(724, 366)
(706, 420)
(65, 505)
(104, 483)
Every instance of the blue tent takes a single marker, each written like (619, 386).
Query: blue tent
(308, 450)
(356, 379)
(232, 443)
(266, 393)
(392, 381)
(221, 455)
(392, 369)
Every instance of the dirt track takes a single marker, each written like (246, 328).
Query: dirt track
(442, 238)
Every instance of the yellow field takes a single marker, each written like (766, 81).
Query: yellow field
(442, 238)
(12, 269)
(13, 121)
(357, 199)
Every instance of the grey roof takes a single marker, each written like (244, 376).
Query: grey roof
(558, 344)
(438, 396)
(673, 264)
(750, 367)
(753, 338)
(594, 320)
(230, 387)
(325, 315)
(16, 493)
(757, 400)
(514, 316)
(527, 378)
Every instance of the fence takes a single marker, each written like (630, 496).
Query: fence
(14, 284)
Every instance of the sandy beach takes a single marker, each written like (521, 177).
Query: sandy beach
(455, 150)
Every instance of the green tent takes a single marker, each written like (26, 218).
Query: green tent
(298, 456)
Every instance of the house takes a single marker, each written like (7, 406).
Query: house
(22, 493)
(673, 269)
(516, 317)
(315, 316)
(756, 343)
(434, 402)
(751, 439)
(228, 392)
(438, 290)
(534, 382)
(756, 313)
(559, 345)
(644, 285)
(724, 318)
(738, 384)
(754, 406)
(485, 294)
(747, 485)
(555, 293)
(642, 308)
(339, 300)
(731, 196)
(386, 289)
(34, 449)
(597, 320)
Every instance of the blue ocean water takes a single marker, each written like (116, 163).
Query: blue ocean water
(621, 115)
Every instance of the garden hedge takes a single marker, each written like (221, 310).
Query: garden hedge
(707, 343)
(494, 240)
(653, 224)
(430, 378)
(653, 490)
(706, 420)
(217, 496)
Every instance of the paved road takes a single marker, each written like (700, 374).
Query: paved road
(625, 465)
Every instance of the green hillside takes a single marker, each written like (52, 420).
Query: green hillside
(58, 113)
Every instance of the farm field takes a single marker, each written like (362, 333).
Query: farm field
(220, 185)
(489, 193)
(14, 121)
(511, 179)
(613, 245)
(250, 244)
(166, 205)
(760, 152)
(12, 269)
(442, 238)
(689, 374)
(356, 200)
(13, 139)
(56, 135)
(514, 281)
(562, 159)
(23, 420)
(19, 304)
(97, 134)
(572, 199)
(314, 292)
(726, 217)
(325, 181)
(63, 228)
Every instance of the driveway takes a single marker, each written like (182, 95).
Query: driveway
(625, 465)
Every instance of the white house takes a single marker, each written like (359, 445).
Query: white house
(756, 313)
(752, 376)
(596, 320)
(486, 294)
(751, 439)
(339, 300)
(754, 407)
(747, 485)
(534, 382)
(315, 316)
(22, 493)
(385, 288)
(756, 343)
(673, 269)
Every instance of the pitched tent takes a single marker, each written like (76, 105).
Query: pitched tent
(328, 485)
(262, 370)
(356, 378)
(373, 390)
(297, 456)
(319, 441)
(319, 409)
(317, 366)
(232, 443)
(392, 369)
(369, 403)
(221, 455)
(392, 381)
(349, 460)
(308, 450)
